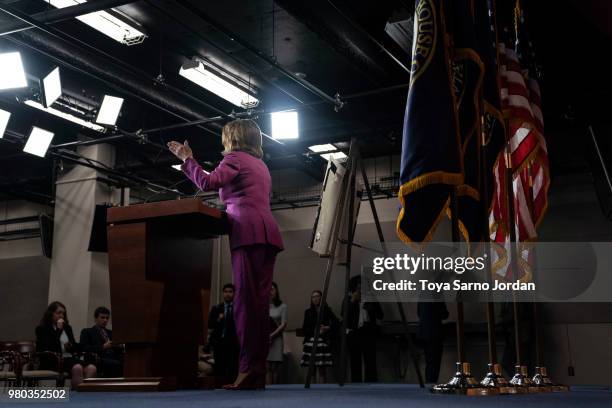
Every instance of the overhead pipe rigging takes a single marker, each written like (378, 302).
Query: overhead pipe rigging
(78, 159)
(264, 112)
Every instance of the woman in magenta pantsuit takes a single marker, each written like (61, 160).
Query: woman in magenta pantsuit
(244, 185)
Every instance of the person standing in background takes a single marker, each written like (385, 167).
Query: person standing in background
(362, 333)
(431, 335)
(278, 320)
(222, 339)
(244, 185)
(329, 322)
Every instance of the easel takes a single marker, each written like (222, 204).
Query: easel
(348, 189)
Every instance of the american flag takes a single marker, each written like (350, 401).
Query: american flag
(527, 158)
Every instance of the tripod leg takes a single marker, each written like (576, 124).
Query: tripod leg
(343, 339)
(345, 305)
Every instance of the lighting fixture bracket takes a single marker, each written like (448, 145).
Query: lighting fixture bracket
(339, 103)
(141, 137)
(128, 20)
(160, 79)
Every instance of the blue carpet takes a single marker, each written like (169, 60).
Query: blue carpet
(327, 396)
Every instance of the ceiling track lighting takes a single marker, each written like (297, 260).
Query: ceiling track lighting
(66, 116)
(111, 23)
(219, 82)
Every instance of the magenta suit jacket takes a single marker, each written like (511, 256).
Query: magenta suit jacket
(244, 185)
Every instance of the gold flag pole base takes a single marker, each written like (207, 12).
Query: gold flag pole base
(522, 383)
(494, 380)
(543, 381)
(463, 383)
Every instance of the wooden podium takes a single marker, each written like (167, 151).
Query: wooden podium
(160, 257)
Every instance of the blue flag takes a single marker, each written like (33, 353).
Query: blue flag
(431, 163)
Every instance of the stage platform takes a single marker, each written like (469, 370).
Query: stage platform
(330, 395)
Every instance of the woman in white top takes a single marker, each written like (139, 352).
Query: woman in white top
(278, 321)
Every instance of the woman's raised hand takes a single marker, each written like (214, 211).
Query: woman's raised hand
(180, 150)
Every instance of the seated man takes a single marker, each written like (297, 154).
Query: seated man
(222, 338)
(98, 340)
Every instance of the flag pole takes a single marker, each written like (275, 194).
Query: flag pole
(540, 378)
(460, 316)
(494, 381)
(462, 381)
(521, 381)
(494, 377)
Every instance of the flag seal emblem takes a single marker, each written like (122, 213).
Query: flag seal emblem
(424, 42)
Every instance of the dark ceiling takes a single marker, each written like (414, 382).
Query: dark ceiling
(335, 47)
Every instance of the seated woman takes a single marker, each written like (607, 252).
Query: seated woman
(329, 321)
(54, 334)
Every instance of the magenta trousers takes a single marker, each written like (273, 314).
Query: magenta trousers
(253, 267)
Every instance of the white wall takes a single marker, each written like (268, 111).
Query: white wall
(24, 274)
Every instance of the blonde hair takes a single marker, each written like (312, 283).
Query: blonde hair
(242, 135)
